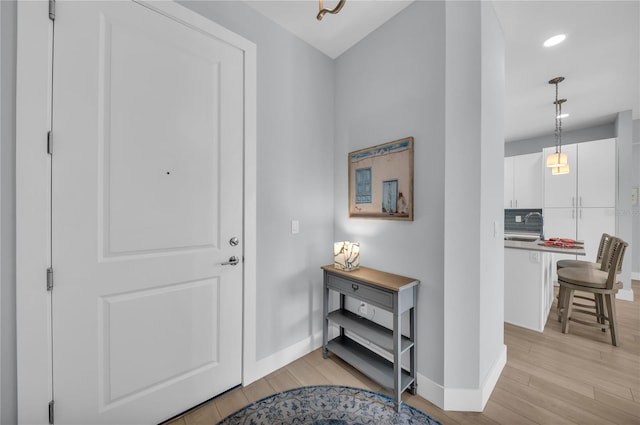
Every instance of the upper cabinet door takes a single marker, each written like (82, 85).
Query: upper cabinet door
(597, 174)
(527, 183)
(560, 190)
(508, 183)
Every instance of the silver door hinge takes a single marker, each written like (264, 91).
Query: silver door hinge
(50, 279)
(52, 10)
(51, 412)
(49, 143)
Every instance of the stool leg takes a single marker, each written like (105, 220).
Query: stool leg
(560, 292)
(600, 311)
(611, 311)
(567, 302)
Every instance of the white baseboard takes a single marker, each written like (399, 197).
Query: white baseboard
(625, 294)
(463, 399)
(263, 367)
(635, 275)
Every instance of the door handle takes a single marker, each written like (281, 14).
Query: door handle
(233, 260)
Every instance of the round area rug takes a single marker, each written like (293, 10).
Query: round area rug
(327, 405)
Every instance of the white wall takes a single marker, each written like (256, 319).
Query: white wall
(624, 135)
(442, 82)
(8, 378)
(491, 192)
(390, 86)
(474, 254)
(295, 174)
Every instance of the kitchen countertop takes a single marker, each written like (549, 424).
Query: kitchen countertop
(534, 246)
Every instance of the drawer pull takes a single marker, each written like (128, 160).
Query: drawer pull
(354, 286)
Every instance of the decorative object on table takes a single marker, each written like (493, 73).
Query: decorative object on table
(346, 255)
(323, 10)
(558, 161)
(327, 404)
(381, 181)
(560, 242)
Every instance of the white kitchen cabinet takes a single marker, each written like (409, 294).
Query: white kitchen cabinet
(591, 181)
(581, 205)
(597, 174)
(508, 182)
(523, 181)
(591, 224)
(528, 289)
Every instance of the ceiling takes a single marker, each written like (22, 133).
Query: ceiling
(599, 59)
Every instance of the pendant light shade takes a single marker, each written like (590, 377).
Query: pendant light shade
(558, 161)
(562, 169)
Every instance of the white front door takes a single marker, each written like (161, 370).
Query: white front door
(146, 198)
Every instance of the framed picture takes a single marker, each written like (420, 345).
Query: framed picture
(381, 181)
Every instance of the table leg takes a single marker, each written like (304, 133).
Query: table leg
(397, 360)
(325, 319)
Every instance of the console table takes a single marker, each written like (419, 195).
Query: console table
(390, 292)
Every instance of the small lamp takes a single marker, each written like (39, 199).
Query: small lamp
(346, 255)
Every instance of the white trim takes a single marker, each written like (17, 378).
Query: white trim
(463, 399)
(635, 275)
(32, 197)
(32, 213)
(250, 333)
(625, 294)
(282, 358)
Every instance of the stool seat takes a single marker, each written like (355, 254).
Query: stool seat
(561, 264)
(586, 277)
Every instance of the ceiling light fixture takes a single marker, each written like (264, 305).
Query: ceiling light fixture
(558, 161)
(324, 10)
(556, 39)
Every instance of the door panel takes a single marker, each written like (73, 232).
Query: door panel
(149, 160)
(146, 189)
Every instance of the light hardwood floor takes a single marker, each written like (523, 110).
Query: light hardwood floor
(550, 378)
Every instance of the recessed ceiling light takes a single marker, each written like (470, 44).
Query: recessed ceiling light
(556, 39)
(563, 116)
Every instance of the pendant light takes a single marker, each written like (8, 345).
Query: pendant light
(558, 161)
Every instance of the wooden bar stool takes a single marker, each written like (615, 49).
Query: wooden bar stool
(560, 264)
(602, 283)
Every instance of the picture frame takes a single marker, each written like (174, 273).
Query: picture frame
(381, 181)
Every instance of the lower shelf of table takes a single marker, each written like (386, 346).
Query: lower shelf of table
(369, 363)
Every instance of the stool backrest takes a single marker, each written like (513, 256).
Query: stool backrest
(604, 242)
(615, 255)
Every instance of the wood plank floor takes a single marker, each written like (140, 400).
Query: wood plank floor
(550, 378)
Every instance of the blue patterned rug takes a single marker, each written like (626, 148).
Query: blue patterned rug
(327, 405)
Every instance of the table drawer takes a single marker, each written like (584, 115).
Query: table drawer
(361, 291)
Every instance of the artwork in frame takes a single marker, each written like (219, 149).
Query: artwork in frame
(381, 181)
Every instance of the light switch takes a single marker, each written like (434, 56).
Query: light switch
(295, 227)
(634, 195)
